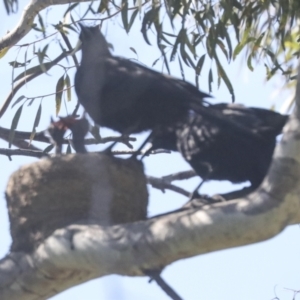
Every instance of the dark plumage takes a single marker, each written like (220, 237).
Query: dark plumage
(129, 98)
(215, 154)
(78, 127)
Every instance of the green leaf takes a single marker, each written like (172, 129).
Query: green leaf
(181, 68)
(246, 39)
(70, 8)
(132, 18)
(154, 63)
(67, 84)
(59, 92)
(133, 50)
(210, 80)
(124, 15)
(249, 62)
(41, 55)
(14, 125)
(36, 122)
(186, 58)
(228, 40)
(223, 48)
(258, 41)
(31, 101)
(42, 24)
(178, 41)
(200, 65)
(3, 51)
(225, 78)
(32, 70)
(18, 100)
(103, 6)
(149, 18)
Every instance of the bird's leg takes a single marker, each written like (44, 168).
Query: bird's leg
(195, 193)
(137, 152)
(209, 171)
(195, 196)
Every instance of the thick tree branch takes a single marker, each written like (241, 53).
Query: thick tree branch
(27, 18)
(76, 253)
(79, 253)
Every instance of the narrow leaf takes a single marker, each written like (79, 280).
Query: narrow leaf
(3, 51)
(223, 48)
(18, 100)
(67, 83)
(70, 8)
(31, 101)
(154, 63)
(41, 24)
(181, 68)
(225, 78)
(132, 18)
(14, 125)
(249, 62)
(210, 80)
(200, 65)
(124, 15)
(58, 96)
(36, 123)
(133, 50)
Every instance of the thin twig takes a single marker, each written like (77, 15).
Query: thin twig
(161, 184)
(41, 137)
(23, 152)
(155, 275)
(179, 176)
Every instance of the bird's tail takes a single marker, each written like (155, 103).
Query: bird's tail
(218, 118)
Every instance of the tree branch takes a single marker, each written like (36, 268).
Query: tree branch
(23, 152)
(78, 253)
(27, 18)
(161, 184)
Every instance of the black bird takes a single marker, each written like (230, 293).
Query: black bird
(217, 155)
(57, 131)
(130, 98)
(78, 127)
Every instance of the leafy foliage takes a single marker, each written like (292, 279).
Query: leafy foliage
(11, 6)
(192, 33)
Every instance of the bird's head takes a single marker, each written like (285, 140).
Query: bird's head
(92, 38)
